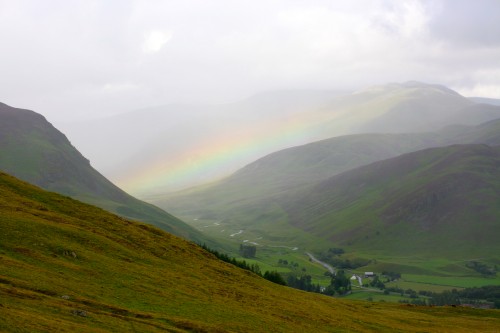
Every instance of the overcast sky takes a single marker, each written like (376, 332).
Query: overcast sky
(84, 58)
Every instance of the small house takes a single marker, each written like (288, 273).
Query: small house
(369, 274)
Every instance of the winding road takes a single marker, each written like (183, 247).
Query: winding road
(324, 264)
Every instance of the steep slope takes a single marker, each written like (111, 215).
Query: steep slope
(440, 201)
(33, 150)
(67, 266)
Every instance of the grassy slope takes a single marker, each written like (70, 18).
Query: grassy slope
(248, 199)
(129, 276)
(441, 201)
(289, 170)
(33, 150)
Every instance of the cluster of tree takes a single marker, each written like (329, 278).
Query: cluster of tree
(303, 282)
(397, 290)
(482, 268)
(272, 276)
(391, 276)
(248, 251)
(446, 297)
(489, 295)
(336, 251)
(275, 277)
(333, 257)
(474, 295)
(345, 263)
(376, 283)
(286, 263)
(293, 265)
(340, 284)
(486, 292)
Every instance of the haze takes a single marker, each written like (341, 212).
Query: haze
(163, 95)
(88, 59)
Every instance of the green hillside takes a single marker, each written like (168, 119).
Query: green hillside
(70, 267)
(250, 197)
(441, 202)
(33, 150)
(278, 203)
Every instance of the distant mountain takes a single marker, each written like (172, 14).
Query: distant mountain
(35, 151)
(290, 169)
(254, 197)
(441, 201)
(484, 100)
(166, 148)
(68, 266)
(404, 108)
(486, 133)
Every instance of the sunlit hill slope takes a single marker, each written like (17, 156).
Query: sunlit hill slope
(70, 267)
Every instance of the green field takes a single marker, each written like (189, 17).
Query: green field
(418, 273)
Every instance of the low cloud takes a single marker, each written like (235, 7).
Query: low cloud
(155, 40)
(95, 58)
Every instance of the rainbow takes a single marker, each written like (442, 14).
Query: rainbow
(219, 155)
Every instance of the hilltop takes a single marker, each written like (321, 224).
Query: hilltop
(69, 266)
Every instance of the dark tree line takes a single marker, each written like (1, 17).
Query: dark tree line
(272, 276)
(473, 296)
(482, 268)
(333, 256)
(275, 277)
(303, 282)
(468, 295)
(391, 276)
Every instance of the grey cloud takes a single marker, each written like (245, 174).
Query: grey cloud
(468, 23)
(86, 58)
